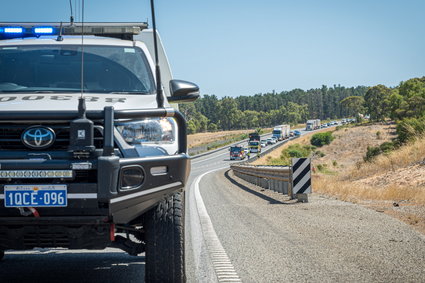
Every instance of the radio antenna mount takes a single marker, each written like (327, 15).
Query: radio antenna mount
(159, 94)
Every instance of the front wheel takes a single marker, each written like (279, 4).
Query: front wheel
(164, 237)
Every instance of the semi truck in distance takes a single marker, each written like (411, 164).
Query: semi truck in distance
(281, 132)
(312, 125)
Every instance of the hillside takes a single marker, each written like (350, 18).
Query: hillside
(393, 183)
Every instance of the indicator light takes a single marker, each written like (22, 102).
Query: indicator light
(43, 30)
(13, 30)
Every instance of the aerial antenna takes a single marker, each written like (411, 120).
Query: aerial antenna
(60, 38)
(82, 49)
(71, 18)
(159, 97)
(81, 129)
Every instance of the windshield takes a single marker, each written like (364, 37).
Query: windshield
(53, 68)
(235, 149)
(277, 132)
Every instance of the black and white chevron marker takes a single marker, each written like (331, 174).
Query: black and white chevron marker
(301, 176)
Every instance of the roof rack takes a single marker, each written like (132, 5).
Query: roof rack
(119, 30)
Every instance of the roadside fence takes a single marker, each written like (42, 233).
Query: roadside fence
(294, 180)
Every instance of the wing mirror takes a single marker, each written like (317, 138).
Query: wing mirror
(183, 91)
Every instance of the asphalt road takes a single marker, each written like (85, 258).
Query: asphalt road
(268, 238)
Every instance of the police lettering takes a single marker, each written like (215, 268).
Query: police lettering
(62, 97)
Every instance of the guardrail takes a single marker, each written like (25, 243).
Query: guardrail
(275, 178)
(294, 180)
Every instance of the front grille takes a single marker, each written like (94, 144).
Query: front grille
(10, 137)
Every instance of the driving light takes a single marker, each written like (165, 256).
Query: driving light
(155, 130)
(37, 174)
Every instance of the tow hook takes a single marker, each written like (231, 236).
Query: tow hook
(32, 211)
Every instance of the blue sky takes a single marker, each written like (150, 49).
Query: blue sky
(244, 47)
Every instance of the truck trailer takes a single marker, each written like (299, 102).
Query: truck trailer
(281, 132)
(312, 125)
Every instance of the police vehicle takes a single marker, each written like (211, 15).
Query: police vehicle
(92, 153)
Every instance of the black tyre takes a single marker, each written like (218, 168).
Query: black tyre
(164, 237)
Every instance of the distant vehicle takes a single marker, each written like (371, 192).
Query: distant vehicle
(254, 136)
(263, 143)
(281, 132)
(254, 142)
(271, 141)
(312, 125)
(317, 123)
(254, 146)
(237, 152)
(297, 133)
(274, 140)
(291, 134)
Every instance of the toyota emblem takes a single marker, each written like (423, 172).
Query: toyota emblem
(38, 137)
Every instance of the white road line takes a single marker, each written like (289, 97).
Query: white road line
(222, 265)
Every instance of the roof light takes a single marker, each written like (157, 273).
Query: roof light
(43, 30)
(13, 30)
(115, 30)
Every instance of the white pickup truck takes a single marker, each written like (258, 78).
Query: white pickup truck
(92, 155)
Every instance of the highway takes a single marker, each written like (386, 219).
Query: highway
(265, 237)
(236, 232)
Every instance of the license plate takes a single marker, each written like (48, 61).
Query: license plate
(35, 196)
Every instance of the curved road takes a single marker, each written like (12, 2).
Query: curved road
(268, 238)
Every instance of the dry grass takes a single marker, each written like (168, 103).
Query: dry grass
(354, 192)
(350, 145)
(406, 156)
(399, 175)
(203, 138)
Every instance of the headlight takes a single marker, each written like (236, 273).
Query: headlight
(154, 130)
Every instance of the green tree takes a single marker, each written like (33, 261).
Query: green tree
(230, 115)
(354, 105)
(251, 119)
(377, 102)
(413, 93)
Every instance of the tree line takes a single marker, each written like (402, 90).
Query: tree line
(404, 104)
(407, 100)
(209, 113)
